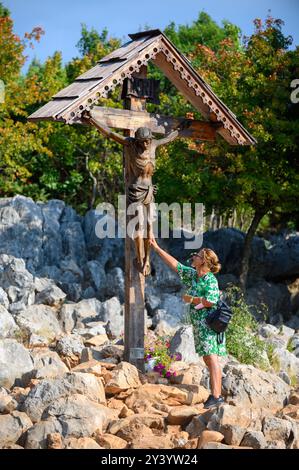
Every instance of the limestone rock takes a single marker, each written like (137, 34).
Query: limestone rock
(166, 395)
(124, 376)
(276, 429)
(75, 315)
(254, 439)
(36, 436)
(183, 343)
(7, 402)
(136, 425)
(79, 416)
(189, 375)
(98, 340)
(215, 445)
(51, 295)
(12, 426)
(116, 284)
(151, 442)
(242, 416)
(3, 298)
(233, 434)
(8, 326)
(15, 363)
(275, 445)
(47, 364)
(209, 436)
(287, 361)
(54, 441)
(40, 320)
(81, 443)
(70, 345)
(50, 390)
(196, 427)
(181, 415)
(109, 441)
(112, 312)
(90, 367)
(247, 385)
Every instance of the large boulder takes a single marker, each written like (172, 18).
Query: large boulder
(49, 390)
(79, 416)
(166, 395)
(21, 229)
(163, 279)
(286, 362)
(123, 376)
(40, 320)
(276, 297)
(51, 251)
(70, 345)
(183, 343)
(15, 363)
(36, 436)
(47, 364)
(73, 241)
(249, 386)
(51, 295)
(282, 260)
(17, 282)
(108, 251)
(95, 278)
(116, 284)
(75, 315)
(12, 426)
(112, 312)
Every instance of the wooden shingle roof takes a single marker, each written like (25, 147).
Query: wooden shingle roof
(68, 104)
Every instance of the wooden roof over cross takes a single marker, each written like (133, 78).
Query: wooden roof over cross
(68, 104)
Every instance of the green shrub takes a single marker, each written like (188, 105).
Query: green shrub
(242, 339)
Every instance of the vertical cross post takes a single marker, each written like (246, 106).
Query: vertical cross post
(134, 280)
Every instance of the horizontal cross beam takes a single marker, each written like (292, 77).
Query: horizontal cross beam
(127, 119)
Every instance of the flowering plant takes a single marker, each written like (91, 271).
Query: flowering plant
(159, 352)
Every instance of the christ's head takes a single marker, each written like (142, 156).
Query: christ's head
(144, 136)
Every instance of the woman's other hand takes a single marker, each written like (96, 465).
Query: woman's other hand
(187, 298)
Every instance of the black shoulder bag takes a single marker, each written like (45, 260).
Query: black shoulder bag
(219, 319)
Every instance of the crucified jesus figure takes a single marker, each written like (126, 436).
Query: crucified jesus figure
(140, 188)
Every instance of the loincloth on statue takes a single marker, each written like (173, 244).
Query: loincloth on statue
(141, 193)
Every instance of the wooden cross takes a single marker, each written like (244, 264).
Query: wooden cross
(130, 60)
(130, 119)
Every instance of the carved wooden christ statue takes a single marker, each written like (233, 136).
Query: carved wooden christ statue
(140, 188)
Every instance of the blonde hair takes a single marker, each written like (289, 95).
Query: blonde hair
(211, 260)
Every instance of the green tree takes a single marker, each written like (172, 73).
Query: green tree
(254, 81)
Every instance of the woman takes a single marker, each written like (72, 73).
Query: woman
(203, 287)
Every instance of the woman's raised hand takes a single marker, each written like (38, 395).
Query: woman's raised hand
(152, 242)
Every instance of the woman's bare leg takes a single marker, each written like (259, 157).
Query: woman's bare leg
(213, 365)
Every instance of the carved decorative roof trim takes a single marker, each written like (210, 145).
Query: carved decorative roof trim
(68, 104)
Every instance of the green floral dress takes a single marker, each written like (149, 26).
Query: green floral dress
(205, 286)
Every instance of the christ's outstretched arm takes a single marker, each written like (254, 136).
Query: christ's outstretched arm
(168, 138)
(174, 134)
(88, 117)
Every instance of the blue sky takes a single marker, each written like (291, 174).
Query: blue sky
(61, 19)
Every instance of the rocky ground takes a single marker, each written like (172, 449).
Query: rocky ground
(79, 393)
(63, 381)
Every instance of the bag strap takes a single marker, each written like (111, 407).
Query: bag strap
(220, 337)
